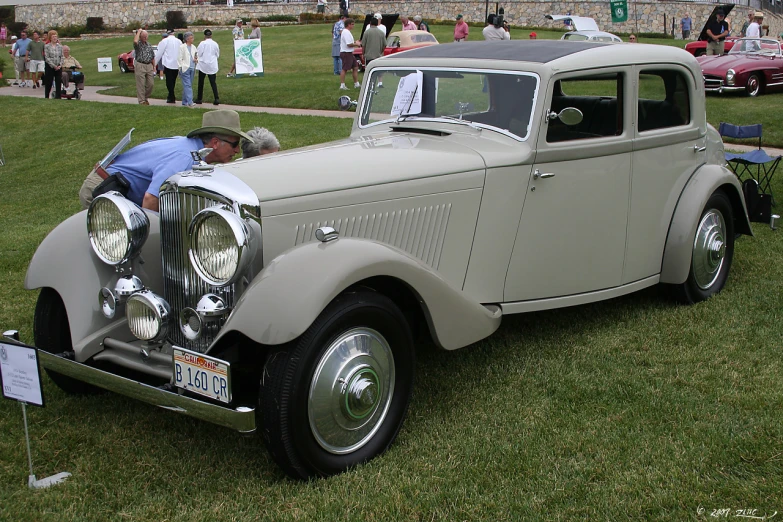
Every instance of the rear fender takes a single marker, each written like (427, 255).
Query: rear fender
(290, 293)
(65, 262)
(682, 230)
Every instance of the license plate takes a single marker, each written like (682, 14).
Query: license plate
(202, 374)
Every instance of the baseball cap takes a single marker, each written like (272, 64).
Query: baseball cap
(459, 17)
(207, 32)
(378, 16)
(13, 38)
(720, 12)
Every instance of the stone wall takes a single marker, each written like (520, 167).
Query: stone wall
(644, 17)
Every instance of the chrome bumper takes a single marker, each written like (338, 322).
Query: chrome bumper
(241, 419)
(723, 88)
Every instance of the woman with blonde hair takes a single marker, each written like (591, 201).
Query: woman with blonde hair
(256, 32)
(53, 56)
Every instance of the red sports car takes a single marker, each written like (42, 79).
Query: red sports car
(125, 60)
(699, 47)
(754, 65)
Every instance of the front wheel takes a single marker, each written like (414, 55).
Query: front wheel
(338, 395)
(755, 86)
(52, 334)
(713, 251)
(123, 67)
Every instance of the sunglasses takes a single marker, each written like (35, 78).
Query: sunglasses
(234, 144)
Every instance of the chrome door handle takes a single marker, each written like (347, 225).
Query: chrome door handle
(537, 174)
(696, 149)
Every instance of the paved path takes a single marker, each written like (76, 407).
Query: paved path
(92, 94)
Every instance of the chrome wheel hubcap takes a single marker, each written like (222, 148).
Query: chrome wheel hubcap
(351, 391)
(753, 86)
(709, 249)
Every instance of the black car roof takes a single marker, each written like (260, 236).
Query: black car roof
(538, 51)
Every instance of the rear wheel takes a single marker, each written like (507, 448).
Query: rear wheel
(337, 396)
(713, 251)
(700, 52)
(52, 334)
(755, 85)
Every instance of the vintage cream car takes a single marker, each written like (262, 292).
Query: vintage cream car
(283, 294)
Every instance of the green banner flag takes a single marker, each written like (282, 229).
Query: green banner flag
(619, 10)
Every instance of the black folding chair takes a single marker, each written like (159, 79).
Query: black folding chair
(742, 164)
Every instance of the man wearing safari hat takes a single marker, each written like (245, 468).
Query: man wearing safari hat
(754, 28)
(145, 167)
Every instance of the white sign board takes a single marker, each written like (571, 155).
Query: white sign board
(248, 56)
(407, 100)
(104, 64)
(20, 374)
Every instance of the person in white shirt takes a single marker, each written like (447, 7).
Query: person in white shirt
(754, 29)
(187, 60)
(167, 54)
(382, 27)
(491, 32)
(208, 53)
(350, 63)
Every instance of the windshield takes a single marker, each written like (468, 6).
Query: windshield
(760, 46)
(492, 99)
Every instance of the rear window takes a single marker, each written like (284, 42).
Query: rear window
(664, 100)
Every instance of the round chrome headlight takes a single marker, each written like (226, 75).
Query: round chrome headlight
(148, 316)
(220, 245)
(117, 228)
(730, 77)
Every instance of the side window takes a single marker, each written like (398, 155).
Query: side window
(664, 100)
(598, 97)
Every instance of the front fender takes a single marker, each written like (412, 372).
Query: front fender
(682, 230)
(66, 262)
(290, 293)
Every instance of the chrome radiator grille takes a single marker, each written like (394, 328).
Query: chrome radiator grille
(182, 286)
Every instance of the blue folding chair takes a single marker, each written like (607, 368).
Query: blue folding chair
(742, 164)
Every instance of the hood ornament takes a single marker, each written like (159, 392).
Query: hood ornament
(200, 166)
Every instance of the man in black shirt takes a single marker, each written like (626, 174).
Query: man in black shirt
(717, 31)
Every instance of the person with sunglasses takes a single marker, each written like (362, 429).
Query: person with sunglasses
(632, 38)
(144, 168)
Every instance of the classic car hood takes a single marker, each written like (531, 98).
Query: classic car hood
(718, 65)
(580, 23)
(353, 163)
(387, 19)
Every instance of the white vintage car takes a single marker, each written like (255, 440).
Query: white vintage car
(585, 28)
(283, 294)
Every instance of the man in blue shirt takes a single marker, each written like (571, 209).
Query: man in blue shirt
(20, 55)
(148, 165)
(685, 25)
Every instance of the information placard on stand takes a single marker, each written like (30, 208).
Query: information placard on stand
(20, 378)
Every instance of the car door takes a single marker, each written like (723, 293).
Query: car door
(571, 236)
(669, 145)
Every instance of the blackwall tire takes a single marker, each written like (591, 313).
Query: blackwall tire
(52, 334)
(713, 251)
(337, 396)
(123, 67)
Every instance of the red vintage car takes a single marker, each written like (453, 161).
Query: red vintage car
(754, 65)
(699, 47)
(125, 60)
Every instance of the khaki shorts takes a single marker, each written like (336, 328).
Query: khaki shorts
(37, 66)
(85, 193)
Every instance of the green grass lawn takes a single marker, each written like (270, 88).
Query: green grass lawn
(635, 408)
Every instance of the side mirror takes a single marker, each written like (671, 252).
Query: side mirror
(345, 103)
(569, 116)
